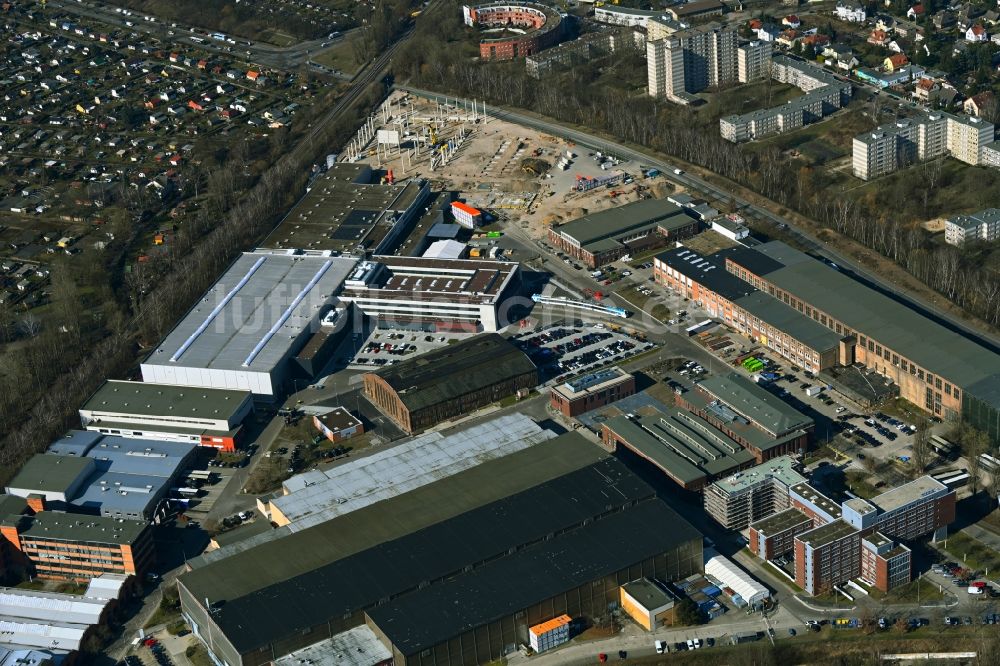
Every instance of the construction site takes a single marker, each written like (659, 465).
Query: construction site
(512, 173)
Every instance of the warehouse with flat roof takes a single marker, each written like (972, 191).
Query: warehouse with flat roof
(609, 235)
(245, 331)
(455, 380)
(684, 446)
(467, 561)
(205, 416)
(344, 212)
(760, 421)
(319, 495)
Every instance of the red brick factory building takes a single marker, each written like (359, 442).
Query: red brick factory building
(523, 28)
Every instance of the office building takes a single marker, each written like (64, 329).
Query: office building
(452, 381)
(433, 294)
(982, 226)
(833, 543)
(753, 61)
(758, 492)
(603, 237)
(684, 446)
(626, 16)
(824, 94)
(889, 148)
(775, 535)
(205, 416)
(682, 60)
(451, 573)
(244, 333)
(591, 391)
(766, 426)
(76, 547)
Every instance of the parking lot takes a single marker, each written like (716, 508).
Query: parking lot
(561, 352)
(388, 346)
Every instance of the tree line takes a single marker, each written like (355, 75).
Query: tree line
(435, 59)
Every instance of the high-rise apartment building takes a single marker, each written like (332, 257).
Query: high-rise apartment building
(892, 147)
(682, 60)
(753, 61)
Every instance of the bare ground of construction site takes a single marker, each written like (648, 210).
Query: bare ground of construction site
(508, 170)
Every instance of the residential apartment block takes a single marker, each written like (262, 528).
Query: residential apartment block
(891, 147)
(753, 494)
(753, 61)
(824, 94)
(682, 60)
(984, 226)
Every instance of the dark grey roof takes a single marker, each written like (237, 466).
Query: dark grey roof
(427, 556)
(789, 320)
(48, 473)
(455, 370)
(506, 586)
(148, 399)
(608, 225)
(76, 527)
(894, 325)
(709, 271)
(681, 443)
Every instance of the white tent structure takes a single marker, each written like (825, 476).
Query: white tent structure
(726, 572)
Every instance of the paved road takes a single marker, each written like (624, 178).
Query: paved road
(811, 243)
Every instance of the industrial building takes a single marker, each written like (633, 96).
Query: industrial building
(526, 27)
(76, 547)
(650, 604)
(319, 495)
(343, 211)
(52, 627)
(871, 330)
(881, 334)
(433, 294)
(738, 500)
(111, 476)
(889, 148)
(597, 389)
(682, 60)
(982, 226)
(762, 423)
(824, 94)
(833, 543)
(206, 416)
(606, 236)
(454, 581)
(684, 446)
(338, 424)
(245, 331)
(452, 381)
